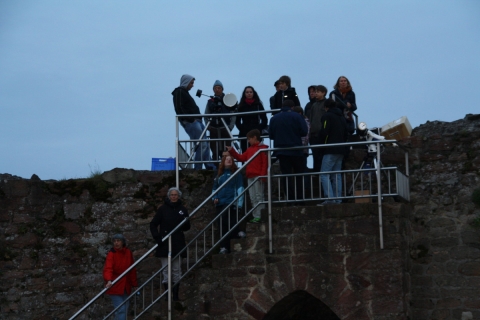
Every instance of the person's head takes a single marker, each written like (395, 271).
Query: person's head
(174, 194)
(342, 83)
(249, 93)
(253, 137)
(329, 104)
(288, 103)
(218, 88)
(277, 85)
(298, 110)
(119, 241)
(284, 82)
(227, 162)
(186, 81)
(320, 92)
(311, 92)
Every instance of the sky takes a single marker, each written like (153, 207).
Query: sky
(86, 85)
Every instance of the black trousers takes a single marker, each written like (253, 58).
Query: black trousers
(290, 165)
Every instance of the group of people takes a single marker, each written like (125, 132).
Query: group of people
(324, 121)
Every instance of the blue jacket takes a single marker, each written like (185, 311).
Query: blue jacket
(286, 130)
(229, 192)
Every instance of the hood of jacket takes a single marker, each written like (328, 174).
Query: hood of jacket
(185, 80)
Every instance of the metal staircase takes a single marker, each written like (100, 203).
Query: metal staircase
(389, 182)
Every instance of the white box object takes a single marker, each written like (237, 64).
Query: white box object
(397, 129)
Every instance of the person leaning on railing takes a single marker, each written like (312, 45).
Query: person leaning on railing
(184, 104)
(119, 259)
(167, 218)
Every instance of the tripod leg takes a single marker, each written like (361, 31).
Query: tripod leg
(350, 192)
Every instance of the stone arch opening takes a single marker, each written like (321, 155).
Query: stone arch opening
(300, 305)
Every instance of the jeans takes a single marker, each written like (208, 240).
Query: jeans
(194, 130)
(332, 182)
(176, 270)
(117, 299)
(256, 196)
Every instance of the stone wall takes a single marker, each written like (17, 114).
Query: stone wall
(54, 234)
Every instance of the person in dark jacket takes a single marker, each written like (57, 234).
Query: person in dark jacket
(333, 131)
(184, 104)
(249, 102)
(272, 98)
(119, 259)
(217, 127)
(311, 98)
(285, 92)
(344, 94)
(167, 218)
(225, 197)
(286, 130)
(317, 110)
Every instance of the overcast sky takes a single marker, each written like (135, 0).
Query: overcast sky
(87, 84)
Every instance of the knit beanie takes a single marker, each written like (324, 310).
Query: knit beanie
(218, 83)
(120, 237)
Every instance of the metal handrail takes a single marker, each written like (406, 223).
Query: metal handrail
(269, 202)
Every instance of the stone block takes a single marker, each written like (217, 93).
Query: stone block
(307, 242)
(448, 303)
(337, 244)
(471, 268)
(436, 268)
(254, 310)
(23, 241)
(364, 226)
(329, 263)
(444, 242)
(387, 305)
(74, 211)
(450, 281)
(422, 303)
(441, 314)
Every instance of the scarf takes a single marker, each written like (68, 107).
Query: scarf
(249, 101)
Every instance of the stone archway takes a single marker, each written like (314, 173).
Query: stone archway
(300, 305)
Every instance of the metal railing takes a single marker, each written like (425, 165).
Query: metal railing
(363, 183)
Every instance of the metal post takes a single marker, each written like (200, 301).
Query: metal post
(406, 164)
(379, 196)
(169, 278)
(269, 183)
(177, 158)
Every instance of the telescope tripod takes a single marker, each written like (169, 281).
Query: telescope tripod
(371, 162)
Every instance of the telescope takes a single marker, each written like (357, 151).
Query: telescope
(370, 135)
(230, 100)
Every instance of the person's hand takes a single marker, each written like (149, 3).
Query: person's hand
(349, 105)
(228, 148)
(109, 284)
(215, 201)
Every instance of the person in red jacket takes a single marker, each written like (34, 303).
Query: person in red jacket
(256, 168)
(119, 259)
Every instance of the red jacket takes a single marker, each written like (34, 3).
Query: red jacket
(258, 166)
(117, 262)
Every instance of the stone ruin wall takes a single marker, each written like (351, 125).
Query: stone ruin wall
(55, 234)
